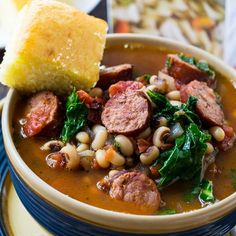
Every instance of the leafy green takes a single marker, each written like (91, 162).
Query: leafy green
(167, 212)
(174, 113)
(233, 177)
(202, 66)
(184, 160)
(76, 113)
(147, 77)
(168, 63)
(204, 192)
(116, 145)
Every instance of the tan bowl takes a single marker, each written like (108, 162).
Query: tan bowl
(27, 183)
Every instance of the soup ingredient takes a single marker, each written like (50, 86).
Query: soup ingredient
(125, 146)
(186, 69)
(207, 107)
(52, 145)
(44, 115)
(126, 113)
(184, 160)
(167, 212)
(123, 86)
(76, 113)
(229, 139)
(136, 187)
(57, 160)
(54, 52)
(114, 74)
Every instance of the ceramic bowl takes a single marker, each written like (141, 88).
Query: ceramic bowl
(63, 215)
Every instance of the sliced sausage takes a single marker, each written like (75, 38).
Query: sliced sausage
(123, 86)
(136, 187)
(44, 115)
(207, 107)
(126, 113)
(185, 72)
(111, 75)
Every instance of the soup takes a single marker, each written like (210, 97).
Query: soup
(98, 181)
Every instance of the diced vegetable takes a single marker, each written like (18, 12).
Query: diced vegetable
(167, 212)
(76, 113)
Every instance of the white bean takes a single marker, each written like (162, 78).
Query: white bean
(82, 147)
(100, 158)
(169, 81)
(85, 162)
(83, 137)
(218, 133)
(73, 157)
(126, 146)
(150, 155)
(100, 138)
(210, 148)
(158, 135)
(173, 95)
(87, 153)
(146, 133)
(96, 92)
(116, 159)
(162, 121)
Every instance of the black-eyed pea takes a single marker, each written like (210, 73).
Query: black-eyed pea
(150, 155)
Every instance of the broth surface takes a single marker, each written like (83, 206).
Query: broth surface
(81, 185)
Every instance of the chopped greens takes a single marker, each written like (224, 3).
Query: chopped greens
(168, 63)
(147, 77)
(233, 177)
(167, 212)
(202, 66)
(203, 191)
(76, 113)
(184, 160)
(116, 145)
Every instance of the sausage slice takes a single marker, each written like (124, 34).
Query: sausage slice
(111, 75)
(136, 187)
(44, 115)
(123, 86)
(184, 72)
(126, 113)
(207, 107)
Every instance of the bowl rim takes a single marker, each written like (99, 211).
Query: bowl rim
(110, 219)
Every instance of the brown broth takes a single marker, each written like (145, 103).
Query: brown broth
(81, 185)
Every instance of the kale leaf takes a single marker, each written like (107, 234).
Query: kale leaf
(76, 113)
(184, 160)
(167, 212)
(202, 66)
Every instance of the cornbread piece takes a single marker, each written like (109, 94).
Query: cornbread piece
(54, 47)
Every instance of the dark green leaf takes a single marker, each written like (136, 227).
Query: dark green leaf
(206, 192)
(76, 113)
(116, 145)
(202, 66)
(168, 63)
(189, 60)
(147, 77)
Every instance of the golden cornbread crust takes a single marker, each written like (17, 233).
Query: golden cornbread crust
(54, 47)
